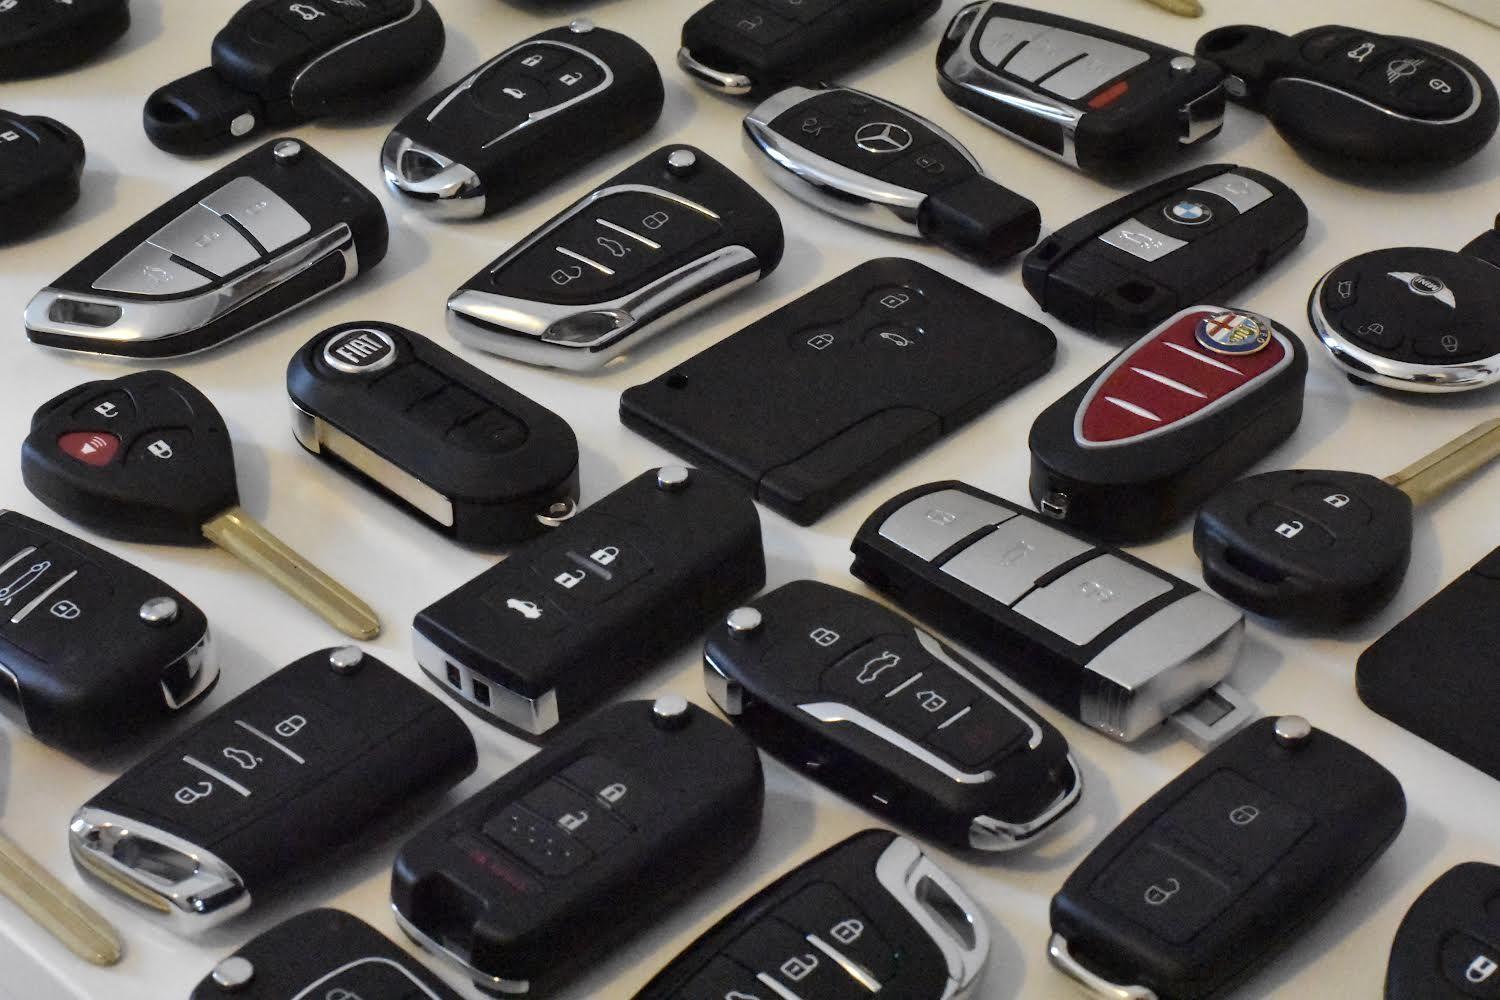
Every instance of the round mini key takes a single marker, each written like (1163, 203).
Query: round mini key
(41, 166)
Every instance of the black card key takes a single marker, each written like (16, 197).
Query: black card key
(41, 168)
(46, 36)
(1448, 944)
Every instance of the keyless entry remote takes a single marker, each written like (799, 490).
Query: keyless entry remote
(45, 36)
(552, 867)
(271, 231)
(41, 167)
(667, 237)
(1448, 944)
(534, 113)
(255, 793)
(1226, 865)
(881, 712)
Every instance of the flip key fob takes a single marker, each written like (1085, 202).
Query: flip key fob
(1226, 865)
(1448, 944)
(45, 36)
(881, 712)
(571, 854)
(537, 111)
(41, 166)
(253, 794)
(479, 461)
(271, 231)
(872, 914)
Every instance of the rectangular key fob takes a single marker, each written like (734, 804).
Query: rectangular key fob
(872, 914)
(43, 36)
(818, 399)
(1100, 100)
(533, 114)
(1226, 865)
(1109, 639)
(1448, 944)
(276, 228)
(262, 788)
(884, 714)
(605, 832)
(666, 237)
(568, 620)
(477, 460)
(41, 170)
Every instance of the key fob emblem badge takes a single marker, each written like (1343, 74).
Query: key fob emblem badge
(361, 351)
(1426, 284)
(1233, 333)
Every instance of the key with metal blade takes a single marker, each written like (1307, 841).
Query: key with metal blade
(1448, 944)
(46, 36)
(147, 458)
(41, 166)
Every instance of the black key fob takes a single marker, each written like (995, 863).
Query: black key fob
(271, 782)
(1448, 944)
(41, 170)
(543, 873)
(1201, 236)
(566, 621)
(474, 458)
(45, 36)
(1100, 100)
(533, 114)
(1226, 865)
(1177, 415)
(882, 713)
(818, 399)
(267, 233)
(872, 914)
(283, 62)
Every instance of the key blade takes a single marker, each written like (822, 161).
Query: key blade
(54, 907)
(1184, 8)
(1435, 473)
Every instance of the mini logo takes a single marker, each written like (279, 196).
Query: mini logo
(1424, 284)
(882, 137)
(1234, 333)
(360, 351)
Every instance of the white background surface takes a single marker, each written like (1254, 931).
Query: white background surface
(400, 566)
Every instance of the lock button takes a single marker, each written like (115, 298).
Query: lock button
(1165, 889)
(1295, 530)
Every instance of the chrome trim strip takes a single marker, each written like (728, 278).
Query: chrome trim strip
(203, 667)
(13, 708)
(902, 870)
(1469, 113)
(307, 992)
(987, 833)
(318, 436)
(938, 652)
(728, 694)
(485, 982)
(833, 712)
(1095, 984)
(416, 8)
(531, 715)
(733, 84)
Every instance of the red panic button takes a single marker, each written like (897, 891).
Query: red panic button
(96, 448)
(1105, 98)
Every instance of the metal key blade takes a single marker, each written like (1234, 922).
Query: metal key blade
(237, 533)
(1184, 8)
(53, 906)
(1434, 473)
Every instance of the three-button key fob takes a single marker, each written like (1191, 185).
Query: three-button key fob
(1448, 944)
(41, 169)
(45, 36)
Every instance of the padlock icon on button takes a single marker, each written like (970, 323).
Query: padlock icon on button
(1337, 500)
(1157, 895)
(570, 579)
(606, 555)
(1290, 529)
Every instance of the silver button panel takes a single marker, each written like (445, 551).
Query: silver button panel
(1066, 63)
(1241, 192)
(1006, 563)
(205, 239)
(1084, 602)
(149, 270)
(1140, 240)
(930, 525)
(264, 214)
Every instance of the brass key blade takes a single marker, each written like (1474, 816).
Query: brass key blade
(53, 906)
(1433, 474)
(1186, 8)
(246, 539)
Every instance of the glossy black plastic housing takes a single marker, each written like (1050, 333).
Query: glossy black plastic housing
(1448, 944)
(41, 167)
(43, 36)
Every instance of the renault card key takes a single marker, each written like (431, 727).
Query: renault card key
(41, 172)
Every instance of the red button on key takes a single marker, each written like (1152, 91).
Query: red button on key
(90, 447)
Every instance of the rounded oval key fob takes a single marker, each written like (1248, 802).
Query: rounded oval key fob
(41, 168)
(46, 36)
(1448, 944)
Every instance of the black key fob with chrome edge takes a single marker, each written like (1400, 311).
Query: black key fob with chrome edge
(41, 171)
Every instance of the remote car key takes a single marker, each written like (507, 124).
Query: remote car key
(477, 460)
(872, 914)
(258, 791)
(1201, 236)
(654, 244)
(537, 111)
(1100, 100)
(45, 36)
(41, 167)
(882, 713)
(271, 231)
(574, 852)
(1114, 642)
(281, 63)
(566, 621)
(871, 162)
(1448, 944)
(1141, 443)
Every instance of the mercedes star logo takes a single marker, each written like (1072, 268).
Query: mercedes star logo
(882, 137)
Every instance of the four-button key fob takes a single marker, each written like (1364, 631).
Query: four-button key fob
(45, 36)
(41, 167)
(1448, 944)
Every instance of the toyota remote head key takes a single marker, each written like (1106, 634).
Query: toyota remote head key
(47, 36)
(1448, 944)
(41, 170)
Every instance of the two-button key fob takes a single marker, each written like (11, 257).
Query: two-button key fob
(46, 36)
(1448, 944)
(545, 872)
(261, 789)
(882, 713)
(517, 124)
(1226, 865)
(41, 169)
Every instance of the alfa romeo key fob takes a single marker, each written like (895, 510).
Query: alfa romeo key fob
(1448, 944)
(45, 36)
(41, 167)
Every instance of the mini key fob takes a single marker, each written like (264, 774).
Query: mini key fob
(1448, 944)
(877, 164)
(271, 231)
(882, 713)
(1177, 415)
(1103, 101)
(1226, 865)
(1201, 236)
(45, 36)
(474, 458)
(574, 852)
(568, 620)
(652, 245)
(533, 114)
(818, 399)
(872, 914)
(41, 169)
(280, 63)
(255, 793)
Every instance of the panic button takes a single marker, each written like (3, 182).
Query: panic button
(97, 448)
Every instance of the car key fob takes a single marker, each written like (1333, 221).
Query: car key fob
(44, 36)
(474, 458)
(94, 652)
(568, 620)
(872, 914)
(1100, 100)
(279, 63)
(882, 713)
(1448, 944)
(1201, 236)
(668, 236)
(269, 232)
(816, 400)
(1140, 444)
(1114, 642)
(272, 781)
(877, 164)
(1226, 865)
(534, 113)
(575, 851)
(41, 170)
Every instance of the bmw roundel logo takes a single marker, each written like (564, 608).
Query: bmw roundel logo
(1189, 213)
